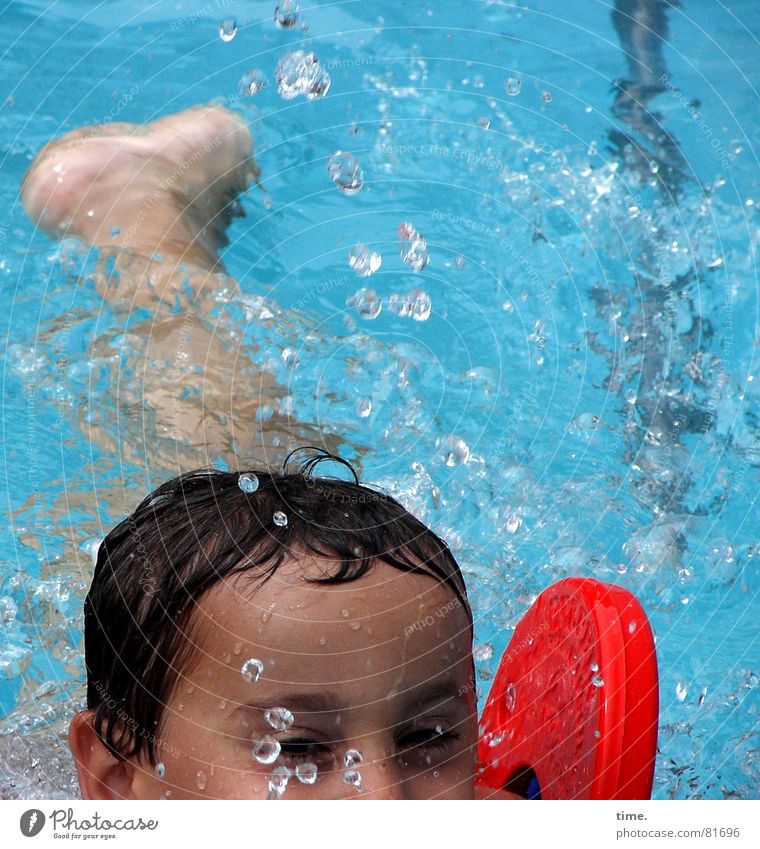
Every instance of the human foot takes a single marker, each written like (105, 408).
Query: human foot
(165, 187)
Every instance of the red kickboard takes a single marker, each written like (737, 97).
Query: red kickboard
(576, 697)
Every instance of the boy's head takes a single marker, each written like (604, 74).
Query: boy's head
(242, 630)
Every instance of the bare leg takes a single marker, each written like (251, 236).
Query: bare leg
(158, 198)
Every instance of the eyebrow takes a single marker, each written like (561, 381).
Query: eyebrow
(324, 702)
(294, 701)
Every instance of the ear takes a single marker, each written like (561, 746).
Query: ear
(101, 774)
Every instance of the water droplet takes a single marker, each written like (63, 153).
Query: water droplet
(365, 262)
(228, 29)
(510, 696)
(413, 246)
(597, 681)
(280, 519)
(702, 697)
(594, 667)
(278, 781)
(345, 171)
(352, 758)
(160, 769)
(546, 96)
(597, 733)
(307, 772)
(300, 73)
(484, 652)
(200, 779)
(354, 778)
(681, 691)
(251, 670)
(364, 408)
(484, 122)
(631, 626)
(512, 86)
(279, 718)
(248, 482)
(251, 83)
(286, 14)
(367, 303)
(115, 231)
(165, 795)
(266, 750)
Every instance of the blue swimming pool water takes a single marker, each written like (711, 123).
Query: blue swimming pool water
(583, 398)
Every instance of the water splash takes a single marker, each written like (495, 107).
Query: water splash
(413, 250)
(299, 73)
(364, 261)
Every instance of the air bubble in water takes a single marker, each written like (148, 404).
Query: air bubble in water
(279, 718)
(251, 83)
(415, 304)
(512, 86)
(546, 96)
(307, 772)
(248, 482)
(484, 652)
(280, 519)
(597, 681)
(367, 303)
(160, 769)
(300, 73)
(352, 758)
(365, 262)
(364, 408)
(510, 696)
(251, 670)
(266, 750)
(455, 451)
(200, 779)
(512, 523)
(413, 246)
(346, 172)
(286, 14)
(278, 782)
(228, 29)
(354, 778)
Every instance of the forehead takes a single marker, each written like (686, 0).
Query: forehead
(386, 629)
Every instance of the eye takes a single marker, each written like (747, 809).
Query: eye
(434, 737)
(299, 749)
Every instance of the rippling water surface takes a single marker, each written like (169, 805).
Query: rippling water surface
(559, 374)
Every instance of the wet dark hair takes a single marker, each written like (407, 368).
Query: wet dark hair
(201, 528)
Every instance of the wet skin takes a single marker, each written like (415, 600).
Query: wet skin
(346, 660)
